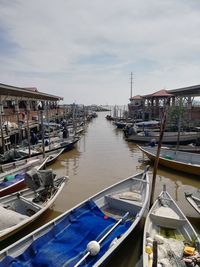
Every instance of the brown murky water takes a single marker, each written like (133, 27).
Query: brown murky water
(101, 158)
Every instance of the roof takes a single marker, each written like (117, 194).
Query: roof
(193, 90)
(161, 93)
(137, 97)
(30, 93)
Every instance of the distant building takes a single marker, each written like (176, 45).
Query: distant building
(147, 107)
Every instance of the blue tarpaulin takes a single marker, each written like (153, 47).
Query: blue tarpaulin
(65, 244)
(17, 178)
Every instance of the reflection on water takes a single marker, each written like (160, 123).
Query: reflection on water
(103, 157)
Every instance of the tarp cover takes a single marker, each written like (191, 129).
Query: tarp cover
(17, 178)
(66, 243)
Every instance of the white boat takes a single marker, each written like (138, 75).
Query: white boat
(13, 180)
(194, 201)
(169, 238)
(87, 234)
(168, 137)
(20, 164)
(177, 160)
(19, 209)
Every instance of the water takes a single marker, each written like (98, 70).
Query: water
(102, 157)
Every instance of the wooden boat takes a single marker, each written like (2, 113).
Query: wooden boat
(13, 180)
(19, 209)
(167, 229)
(177, 160)
(56, 144)
(87, 234)
(37, 150)
(186, 148)
(168, 137)
(194, 201)
(52, 156)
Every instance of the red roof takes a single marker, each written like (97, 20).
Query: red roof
(161, 93)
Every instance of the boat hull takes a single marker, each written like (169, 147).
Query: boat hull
(166, 225)
(89, 220)
(168, 161)
(168, 138)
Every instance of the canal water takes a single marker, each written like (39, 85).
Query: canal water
(102, 157)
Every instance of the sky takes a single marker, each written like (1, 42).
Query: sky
(85, 50)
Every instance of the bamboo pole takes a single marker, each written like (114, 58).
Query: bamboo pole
(163, 125)
(28, 134)
(42, 130)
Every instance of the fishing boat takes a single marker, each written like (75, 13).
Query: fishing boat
(87, 234)
(19, 209)
(168, 137)
(56, 143)
(169, 238)
(52, 157)
(186, 148)
(24, 152)
(13, 180)
(177, 160)
(194, 201)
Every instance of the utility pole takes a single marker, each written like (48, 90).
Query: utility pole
(131, 85)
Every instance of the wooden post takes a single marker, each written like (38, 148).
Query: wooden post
(155, 254)
(28, 134)
(2, 136)
(158, 154)
(42, 130)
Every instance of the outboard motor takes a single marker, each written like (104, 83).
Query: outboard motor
(47, 177)
(33, 179)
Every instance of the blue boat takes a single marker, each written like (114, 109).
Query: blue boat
(89, 233)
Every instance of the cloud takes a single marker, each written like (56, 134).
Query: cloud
(85, 50)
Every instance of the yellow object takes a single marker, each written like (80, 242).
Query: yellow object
(189, 250)
(148, 250)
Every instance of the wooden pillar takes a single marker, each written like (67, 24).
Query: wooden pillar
(1, 125)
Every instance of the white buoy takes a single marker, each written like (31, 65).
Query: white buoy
(93, 247)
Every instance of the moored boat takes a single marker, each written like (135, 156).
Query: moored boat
(168, 137)
(87, 234)
(13, 180)
(12, 166)
(177, 160)
(37, 150)
(194, 201)
(19, 209)
(169, 238)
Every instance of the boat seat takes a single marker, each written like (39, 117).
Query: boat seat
(10, 218)
(124, 202)
(167, 217)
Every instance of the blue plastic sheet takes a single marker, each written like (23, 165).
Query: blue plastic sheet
(17, 178)
(65, 244)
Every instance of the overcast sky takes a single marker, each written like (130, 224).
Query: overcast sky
(85, 50)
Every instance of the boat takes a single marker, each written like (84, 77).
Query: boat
(19, 209)
(169, 238)
(177, 160)
(56, 143)
(186, 148)
(13, 180)
(22, 152)
(52, 156)
(168, 137)
(89, 233)
(193, 200)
